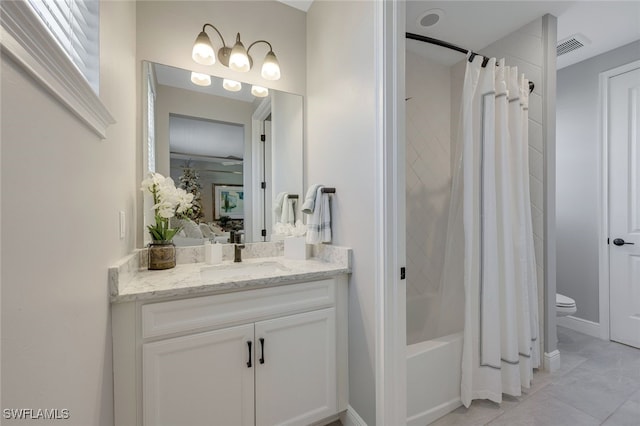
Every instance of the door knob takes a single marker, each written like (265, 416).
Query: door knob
(621, 242)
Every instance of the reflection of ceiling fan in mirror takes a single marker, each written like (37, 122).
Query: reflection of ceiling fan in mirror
(209, 163)
(203, 137)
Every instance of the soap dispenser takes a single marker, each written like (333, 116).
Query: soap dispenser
(212, 253)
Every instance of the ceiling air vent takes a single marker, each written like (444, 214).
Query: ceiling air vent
(570, 44)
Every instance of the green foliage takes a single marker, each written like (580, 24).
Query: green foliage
(190, 182)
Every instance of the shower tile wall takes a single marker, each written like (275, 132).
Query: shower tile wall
(428, 180)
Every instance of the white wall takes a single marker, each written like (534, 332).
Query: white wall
(525, 48)
(428, 184)
(287, 145)
(578, 153)
(340, 152)
(62, 189)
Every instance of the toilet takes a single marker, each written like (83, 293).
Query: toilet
(565, 305)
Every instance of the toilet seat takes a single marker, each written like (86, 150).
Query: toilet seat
(565, 305)
(564, 301)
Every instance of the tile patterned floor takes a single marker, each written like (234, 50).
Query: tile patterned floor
(598, 384)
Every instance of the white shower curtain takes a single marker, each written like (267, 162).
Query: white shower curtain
(492, 188)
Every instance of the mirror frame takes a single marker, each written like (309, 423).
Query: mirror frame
(252, 169)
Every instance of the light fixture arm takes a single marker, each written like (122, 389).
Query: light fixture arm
(259, 41)
(220, 35)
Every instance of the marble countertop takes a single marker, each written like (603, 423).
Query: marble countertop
(131, 281)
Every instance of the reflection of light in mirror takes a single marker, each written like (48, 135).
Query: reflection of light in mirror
(259, 91)
(200, 79)
(231, 85)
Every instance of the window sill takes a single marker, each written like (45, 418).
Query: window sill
(27, 41)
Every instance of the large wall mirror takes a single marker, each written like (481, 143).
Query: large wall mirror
(240, 151)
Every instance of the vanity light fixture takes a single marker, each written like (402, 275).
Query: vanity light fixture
(239, 60)
(231, 85)
(236, 58)
(259, 91)
(200, 79)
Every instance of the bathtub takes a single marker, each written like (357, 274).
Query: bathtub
(433, 379)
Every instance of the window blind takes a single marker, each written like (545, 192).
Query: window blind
(151, 125)
(74, 24)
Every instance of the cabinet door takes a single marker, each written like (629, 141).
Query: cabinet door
(296, 383)
(203, 379)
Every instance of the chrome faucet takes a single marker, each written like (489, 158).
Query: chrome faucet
(237, 248)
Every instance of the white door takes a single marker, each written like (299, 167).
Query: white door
(624, 206)
(202, 379)
(296, 369)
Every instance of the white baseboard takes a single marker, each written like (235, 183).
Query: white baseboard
(351, 418)
(552, 361)
(580, 325)
(433, 414)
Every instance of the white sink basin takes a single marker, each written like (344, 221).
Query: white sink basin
(242, 270)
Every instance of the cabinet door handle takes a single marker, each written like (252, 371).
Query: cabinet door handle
(249, 345)
(262, 346)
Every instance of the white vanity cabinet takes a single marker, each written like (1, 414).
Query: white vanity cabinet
(189, 379)
(296, 377)
(265, 356)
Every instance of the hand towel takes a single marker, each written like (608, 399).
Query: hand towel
(319, 223)
(288, 215)
(277, 205)
(310, 199)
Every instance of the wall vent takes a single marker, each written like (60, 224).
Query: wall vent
(570, 44)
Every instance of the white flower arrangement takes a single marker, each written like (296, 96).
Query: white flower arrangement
(168, 201)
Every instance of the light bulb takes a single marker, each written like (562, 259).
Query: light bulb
(231, 85)
(270, 67)
(259, 91)
(239, 60)
(202, 51)
(200, 79)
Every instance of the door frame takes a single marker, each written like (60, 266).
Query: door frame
(253, 182)
(390, 304)
(603, 210)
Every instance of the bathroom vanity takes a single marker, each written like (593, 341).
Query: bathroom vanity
(263, 342)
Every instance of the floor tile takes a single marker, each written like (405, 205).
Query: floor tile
(617, 361)
(627, 415)
(540, 380)
(598, 383)
(543, 410)
(635, 397)
(579, 344)
(596, 394)
(568, 361)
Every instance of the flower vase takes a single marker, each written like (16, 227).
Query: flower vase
(162, 255)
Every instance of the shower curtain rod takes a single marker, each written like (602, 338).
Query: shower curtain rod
(448, 45)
